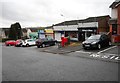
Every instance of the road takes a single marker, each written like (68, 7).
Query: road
(29, 64)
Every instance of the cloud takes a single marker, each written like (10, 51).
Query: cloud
(48, 12)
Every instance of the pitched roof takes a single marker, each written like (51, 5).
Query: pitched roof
(75, 22)
(115, 4)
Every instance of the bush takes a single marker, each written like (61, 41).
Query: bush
(4, 39)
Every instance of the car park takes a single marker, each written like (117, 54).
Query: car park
(18, 43)
(96, 41)
(10, 43)
(45, 42)
(28, 42)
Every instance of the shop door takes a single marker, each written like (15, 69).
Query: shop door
(82, 36)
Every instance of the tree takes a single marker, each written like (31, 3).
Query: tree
(15, 31)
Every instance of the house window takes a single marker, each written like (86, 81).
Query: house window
(114, 29)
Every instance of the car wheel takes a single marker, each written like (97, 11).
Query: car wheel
(99, 46)
(110, 43)
(38, 46)
(9, 45)
(27, 45)
(85, 48)
(55, 43)
(43, 45)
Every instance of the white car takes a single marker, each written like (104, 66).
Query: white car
(29, 42)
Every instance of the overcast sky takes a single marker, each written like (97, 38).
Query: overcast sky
(33, 13)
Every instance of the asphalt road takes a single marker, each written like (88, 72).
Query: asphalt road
(29, 64)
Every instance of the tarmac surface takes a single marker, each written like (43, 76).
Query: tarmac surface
(111, 53)
(31, 64)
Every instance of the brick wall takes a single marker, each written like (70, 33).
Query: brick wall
(118, 19)
(103, 25)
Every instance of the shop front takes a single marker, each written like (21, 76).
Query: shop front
(49, 33)
(84, 33)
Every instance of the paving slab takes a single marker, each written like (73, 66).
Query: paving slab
(62, 50)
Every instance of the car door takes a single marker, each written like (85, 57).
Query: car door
(32, 42)
(50, 42)
(29, 42)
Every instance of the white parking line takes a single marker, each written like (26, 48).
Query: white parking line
(106, 49)
(83, 52)
(112, 57)
(105, 57)
(117, 58)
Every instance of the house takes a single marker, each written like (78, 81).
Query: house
(4, 32)
(115, 21)
(30, 32)
(79, 30)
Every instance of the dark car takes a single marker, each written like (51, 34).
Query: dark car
(45, 42)
(96, 41)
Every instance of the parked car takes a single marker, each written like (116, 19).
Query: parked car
(10, 43)
(45, 42)
(18, 43)
(28, 42)
(96, 41)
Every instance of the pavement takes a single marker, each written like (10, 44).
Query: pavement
(108, 54)
(62, 50)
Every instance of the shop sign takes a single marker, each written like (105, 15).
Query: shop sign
(87, 30)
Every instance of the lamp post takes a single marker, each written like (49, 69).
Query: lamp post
(63, 24)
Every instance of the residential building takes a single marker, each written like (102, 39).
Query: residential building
(115, 21)
(4, 32)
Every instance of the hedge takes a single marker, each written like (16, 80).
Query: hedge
(4, 39)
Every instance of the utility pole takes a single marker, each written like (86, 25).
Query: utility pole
(63, 23)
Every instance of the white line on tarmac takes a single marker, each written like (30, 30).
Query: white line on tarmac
(117, 58)
(83, 52)
(106, 49)
(112, 57)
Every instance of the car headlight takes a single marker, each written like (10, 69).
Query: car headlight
(93, 42)
(83, 42)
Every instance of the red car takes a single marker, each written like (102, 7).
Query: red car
(18, 43)
(10, 43)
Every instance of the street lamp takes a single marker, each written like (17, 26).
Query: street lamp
(63, 24)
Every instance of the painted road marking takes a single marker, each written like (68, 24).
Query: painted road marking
(83, 52)
(108, 56)
(117, 58)
(95, 55)
(106, 49)
(112, 57)
(105, 56)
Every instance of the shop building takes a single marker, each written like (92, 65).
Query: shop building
(79, 30)
(45, 33)
(66, 29)
(93, 25)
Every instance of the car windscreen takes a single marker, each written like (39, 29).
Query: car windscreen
(94, 37)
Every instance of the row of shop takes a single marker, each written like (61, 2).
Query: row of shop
(76, 30)
(79, 30)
